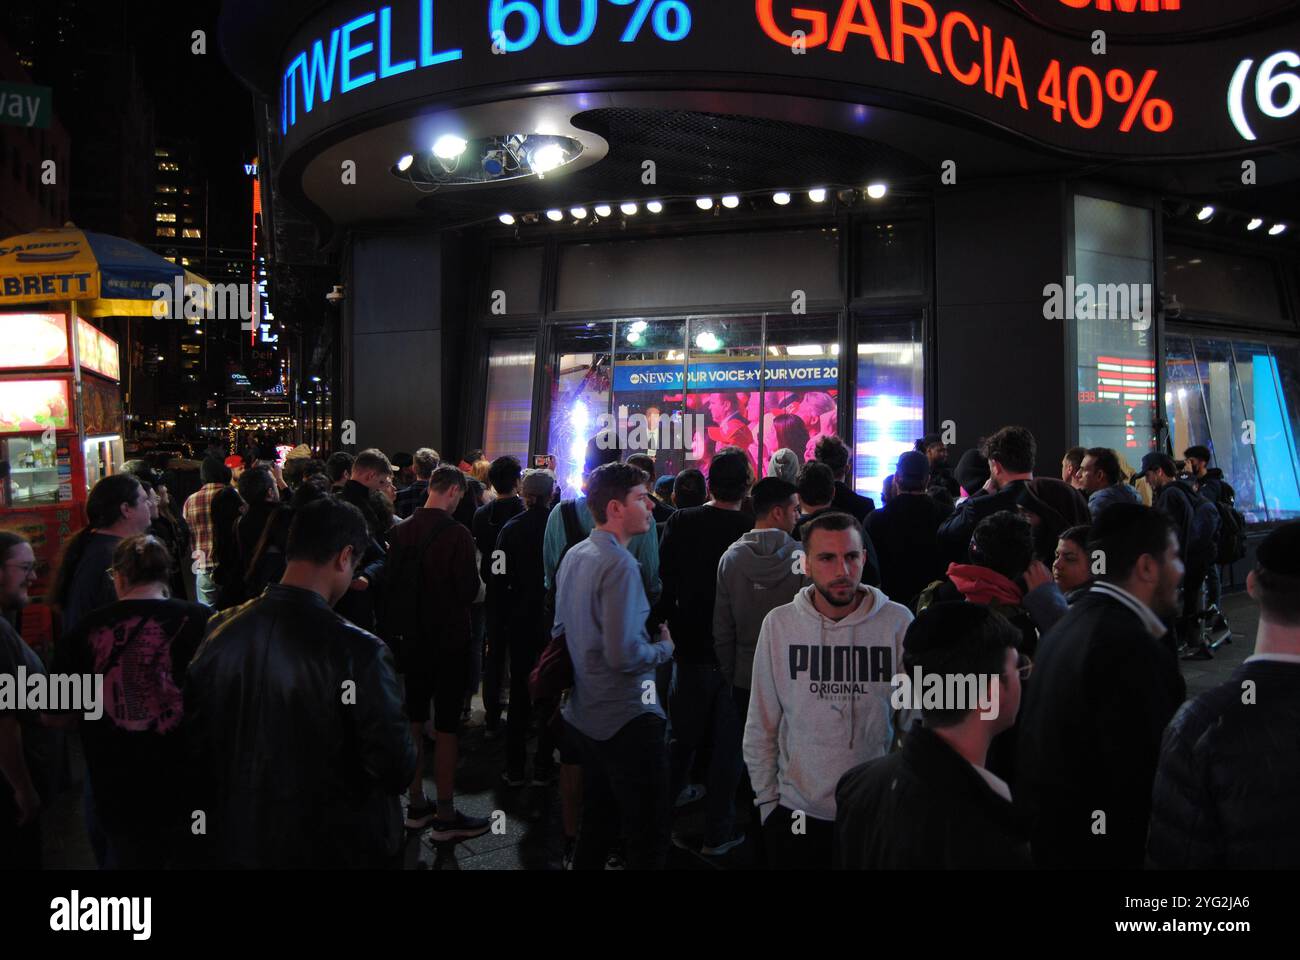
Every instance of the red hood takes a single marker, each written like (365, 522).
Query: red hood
(982, 585)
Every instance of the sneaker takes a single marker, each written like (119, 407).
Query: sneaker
(718, 849)
(690, 793)
(513, 780)
(1202, 652)
(542, 776)
(459, 827)
(570, 847)
(420, 815)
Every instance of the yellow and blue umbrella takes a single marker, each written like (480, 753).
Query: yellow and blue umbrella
(110, 276)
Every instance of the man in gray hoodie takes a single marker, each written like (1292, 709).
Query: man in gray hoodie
(820, 697)
(761, 571)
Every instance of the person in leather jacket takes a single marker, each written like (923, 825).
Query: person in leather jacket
(298, 746)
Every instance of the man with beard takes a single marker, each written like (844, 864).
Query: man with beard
(820, 695)
(1105, 686)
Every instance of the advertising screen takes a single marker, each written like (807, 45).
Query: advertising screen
(34, 340)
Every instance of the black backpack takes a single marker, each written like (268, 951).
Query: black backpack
(1232, 527)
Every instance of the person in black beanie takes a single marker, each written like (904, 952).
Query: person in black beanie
(972, 470)
(905, 533)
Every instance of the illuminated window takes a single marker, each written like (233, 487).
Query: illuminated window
(170, 259)
(168, 167)
(166, 188)
(192, 233)
(186, 261)
(165, 232)
(165, 217)
(160, 152)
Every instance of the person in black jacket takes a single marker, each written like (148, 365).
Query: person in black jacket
(1105, 685)
(934, 805)
(936, 455)
(833, 452)
(1197, 531)
(1229, 772)
(293, 716)
(700, 699)
(370, 472)
(1050, 505)
(488, 520)
(816, 488)
(905, 533)
(516, 587)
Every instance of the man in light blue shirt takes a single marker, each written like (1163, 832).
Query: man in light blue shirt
(644, 548)
(613, 713)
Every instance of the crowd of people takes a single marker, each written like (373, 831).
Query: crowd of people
(710, 640)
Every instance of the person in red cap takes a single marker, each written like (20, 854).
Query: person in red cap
(236, 464)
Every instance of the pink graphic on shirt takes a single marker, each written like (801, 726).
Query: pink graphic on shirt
(140, 692)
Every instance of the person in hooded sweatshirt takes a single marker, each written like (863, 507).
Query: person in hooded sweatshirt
(820, 695)
(761, 571)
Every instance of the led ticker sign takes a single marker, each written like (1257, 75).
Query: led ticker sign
(975, 58)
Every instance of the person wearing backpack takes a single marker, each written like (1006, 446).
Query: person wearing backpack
(432, 581)
(1197, 522)
(1232, 530)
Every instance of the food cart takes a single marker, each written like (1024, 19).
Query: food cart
(61, 408)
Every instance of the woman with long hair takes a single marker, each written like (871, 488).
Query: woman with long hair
(23, 741)
(227, 509)
(791, 433)
(141, 645)
(117, 507)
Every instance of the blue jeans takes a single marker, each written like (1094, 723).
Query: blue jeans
(703, 711)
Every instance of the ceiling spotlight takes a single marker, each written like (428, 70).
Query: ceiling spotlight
(1205, 213)
(555, 215)
(1277, 229)
(508, 219)
(1255, 224)
(546, 158)
(629, 209)
(603, 210)
(731, 201)
(639, 326)
(780, 198)
(817, 195)
(449, 147)
(405, 163)
(578, 213)
(876, 190)
(704, 203)
(654, 206)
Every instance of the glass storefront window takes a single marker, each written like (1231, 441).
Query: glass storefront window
(890, 403)
(648, 392)
(1111, 297)
(723, 387)
(1240, 398)
(580, 394)
(801, 400)
(509, 397)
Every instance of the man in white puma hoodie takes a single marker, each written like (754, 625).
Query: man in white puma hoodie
(820, 696)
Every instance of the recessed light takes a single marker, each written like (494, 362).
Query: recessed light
(731, 201)
(817, 195)
(556, 215)
(704, 203)
(1205, 213)
(449, 147)
(603, 210)
(1277, 229)
(780, 198)
(508, 219)
(578, 213)
(654, 206)
(405, 163)
(629, 209)
(1255, 224)
(877, 190)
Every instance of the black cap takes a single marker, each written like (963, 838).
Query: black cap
(401, 460)
(1280, 551)
(972, 470)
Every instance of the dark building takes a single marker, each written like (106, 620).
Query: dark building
(867, 228)
(28, 200)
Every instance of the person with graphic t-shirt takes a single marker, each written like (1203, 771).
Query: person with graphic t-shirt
(820, 697)
(142, 646)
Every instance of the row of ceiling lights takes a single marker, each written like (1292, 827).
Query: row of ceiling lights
(731, 201)
(1207, 212)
